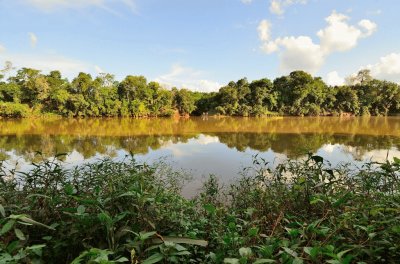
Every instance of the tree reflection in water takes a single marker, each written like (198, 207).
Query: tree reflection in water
(291, 136)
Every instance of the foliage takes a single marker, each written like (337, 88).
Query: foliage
(124, 212)
(9, 109)
(298, 94)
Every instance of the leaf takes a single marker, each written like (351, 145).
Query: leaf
(37, 246)
(253, 231)
(330, 172)
(182, 240)
(341, 253)
(2, 211)
(334, 261)
(396, 229)
(317, 159)
(290, 252)
(19, 234)
(315, 200)
(61, 155)
(182, 253)
(312, 251)
(78, 260)
(231, 260)
(179, 247)
(245, 252)
(232, 225)
(25, 219)
(37, 249)
(261, 261)
(81, 209)
(396, 160)
(210, 208)
(122, 259)
(143, 236)
(297, 261)
(69, 189)
(156, 257)
(7, 227)
(342, 199)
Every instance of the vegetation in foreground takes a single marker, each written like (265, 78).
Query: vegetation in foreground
(124, 212)
(32, 93)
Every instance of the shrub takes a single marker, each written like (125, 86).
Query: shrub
(8, 109)
(124, 212)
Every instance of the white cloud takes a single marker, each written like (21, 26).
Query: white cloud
(340, 36)
(53, 5)
(333, 79)
(33, 39)
(301, 53)
(388, 68)
(278, 7)
(264, 30)
(183, 77)
(269, 47)
(369, 26)
(246, 1)
(2, 48)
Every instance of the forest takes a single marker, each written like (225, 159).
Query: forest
(32, 93)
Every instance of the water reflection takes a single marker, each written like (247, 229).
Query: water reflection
(212, 145)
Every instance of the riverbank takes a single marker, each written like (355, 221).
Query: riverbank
(108, 212)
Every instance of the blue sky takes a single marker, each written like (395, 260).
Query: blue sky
(203, 44)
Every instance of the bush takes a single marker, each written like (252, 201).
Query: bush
(109, 212)
(8, 109)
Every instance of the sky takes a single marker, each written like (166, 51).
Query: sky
(203, 44)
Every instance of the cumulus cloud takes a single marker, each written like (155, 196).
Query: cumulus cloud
(2, 48)
(333, 79)
(301, 53)
(388, 68)
(264, 30)
(278, 7)
(33, 39)
(341, 36)
(184, 77)
(53, 5)
(246, 1)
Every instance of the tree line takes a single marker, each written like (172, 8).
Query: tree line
(31, 92)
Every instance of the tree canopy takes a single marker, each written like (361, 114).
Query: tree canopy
(31, 92)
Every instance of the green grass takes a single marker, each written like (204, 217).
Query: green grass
(124, 212)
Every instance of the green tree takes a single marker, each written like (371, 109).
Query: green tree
(184, 102)
(262, 97)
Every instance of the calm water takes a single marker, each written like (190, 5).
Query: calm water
(222, 146)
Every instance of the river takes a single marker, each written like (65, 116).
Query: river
(201, 145)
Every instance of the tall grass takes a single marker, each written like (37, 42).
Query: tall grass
(124, 212)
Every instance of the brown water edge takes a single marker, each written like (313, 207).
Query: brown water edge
(127, 127)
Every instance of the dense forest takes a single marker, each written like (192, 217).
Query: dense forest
(31, 93)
